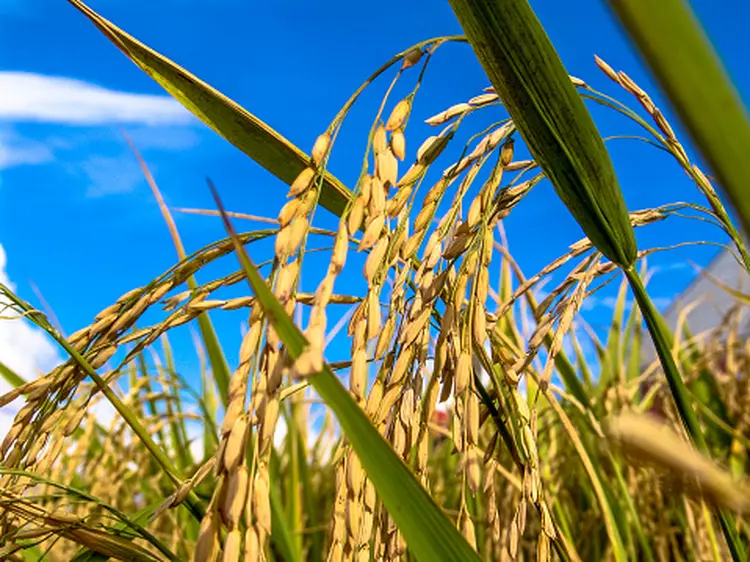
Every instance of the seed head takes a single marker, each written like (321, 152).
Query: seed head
(411, 176)
(340, 248)
(411, 58)
(288, 211)
(448, 114)
(232, 546)
(463, 373)
(356, 215)
(235, 495)
(398, 115)
(207, 545)
(431, 148)
(386, 166)
(302, 182)
(252, 546)
(375, 259)
(398, 144)
(372, 232)
(506, 155)
(483, 99)
(320, 148)
(379, 140)
(260, 500)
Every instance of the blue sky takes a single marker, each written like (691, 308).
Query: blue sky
(79, 222)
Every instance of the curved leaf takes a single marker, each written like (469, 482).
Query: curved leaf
(535, 88)
(245, 131)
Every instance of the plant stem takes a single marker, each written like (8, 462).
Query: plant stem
(660, 337)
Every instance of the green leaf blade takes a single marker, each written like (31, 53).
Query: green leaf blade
(244, 130)
(535, 88)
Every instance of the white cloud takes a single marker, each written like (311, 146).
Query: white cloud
(110, 176)
(24, 348)
(26, 96)
(18, 151)
(154, 122)
(175, 138)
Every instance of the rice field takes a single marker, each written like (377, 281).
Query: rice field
(468, 421)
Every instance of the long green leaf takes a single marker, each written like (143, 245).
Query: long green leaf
(593, 473)
(614, 344)
(177, 427)
(141, 369)
(294, 484)
(428, 532)
(684, 62)
(312, 512)
(646, 553)
(10, 376)
(535, 88)
(210, 400)
(245, 131)
(282, 531)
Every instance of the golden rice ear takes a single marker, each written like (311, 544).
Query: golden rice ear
(532, 83)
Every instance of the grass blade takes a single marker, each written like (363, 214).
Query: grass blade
(245, 131)
(219, 365)
(646, 553)
(141, 370)
(311, 511)
(10, 376)
(610, 520)
(282, 534)
(614, 359)
(176, 423)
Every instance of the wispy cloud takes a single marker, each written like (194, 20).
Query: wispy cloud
(17, 151)
(111, 176)
(79, 124)
(26, 96)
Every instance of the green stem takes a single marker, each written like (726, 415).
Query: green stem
(660, 337)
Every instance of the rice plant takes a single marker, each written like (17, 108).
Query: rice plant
(467, 421)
